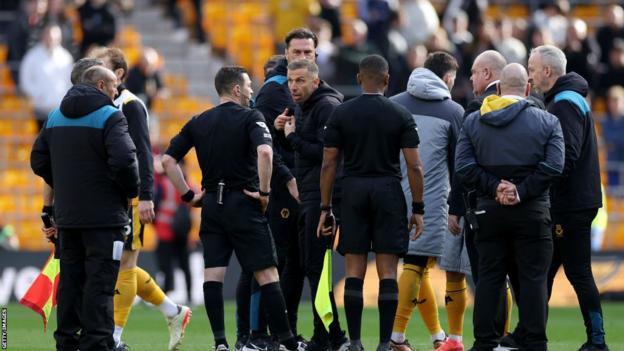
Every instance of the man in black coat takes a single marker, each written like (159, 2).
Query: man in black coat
(84, 152)
(316, 101)
(576, 195)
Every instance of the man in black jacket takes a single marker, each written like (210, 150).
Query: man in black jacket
(512, 207)
(576, 196)
(274, 99)
(484, 75)
(132, 279)
(316, 101)
(84, 152)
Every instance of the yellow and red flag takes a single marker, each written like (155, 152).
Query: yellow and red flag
(41, 296)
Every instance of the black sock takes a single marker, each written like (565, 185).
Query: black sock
(257, 321)
(353, 305)
(213, 301)
(243, 297)
(278, 320)
(387, 303)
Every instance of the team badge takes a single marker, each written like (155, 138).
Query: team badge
(285, 213)
(559, 230)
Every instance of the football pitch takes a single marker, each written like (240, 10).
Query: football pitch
(147, 330)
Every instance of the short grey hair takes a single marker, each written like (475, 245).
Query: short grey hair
(310, 66)
(552, 56)
(514, 79)
(96, 73)
(81, 66)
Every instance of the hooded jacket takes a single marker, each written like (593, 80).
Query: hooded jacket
(510, 139)
(84, 152)
(438, 118)
(578, 188)
(273, 97)
(307, 140)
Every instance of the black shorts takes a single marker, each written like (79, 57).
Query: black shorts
(134, 231)
(238, 225)
(373, 216)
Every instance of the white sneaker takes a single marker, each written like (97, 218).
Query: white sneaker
(221, 347)
(177, 324)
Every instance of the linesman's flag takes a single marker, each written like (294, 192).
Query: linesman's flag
(322, 303)
(41, 296)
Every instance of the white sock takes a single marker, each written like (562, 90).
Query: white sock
(397, 337)
(117, 334)
(455, 337)
(168, 308)
(439, 336)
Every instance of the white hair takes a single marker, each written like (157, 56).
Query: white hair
(552, 56)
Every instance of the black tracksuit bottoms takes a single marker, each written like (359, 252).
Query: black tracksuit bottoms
(572, 248)
(520, 233)
(89, 268)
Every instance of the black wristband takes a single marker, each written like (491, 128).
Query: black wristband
(326, 207)
(188, 196)
(49, 210)
(418, 208)
(264, 193)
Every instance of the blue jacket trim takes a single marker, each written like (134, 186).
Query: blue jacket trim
(95, 119)
(574, 98)
(277, 79)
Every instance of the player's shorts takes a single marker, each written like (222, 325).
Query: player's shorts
(134, 230)
(373, 216)
(454, 254)
(420, 261)
(239, 226)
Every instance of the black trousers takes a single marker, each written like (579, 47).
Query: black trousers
(89, 268)
(167, 253)
(572, 249)
(282, 215)
(520, 233)
(313, 250)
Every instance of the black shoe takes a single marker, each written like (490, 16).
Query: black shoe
(356, 347)
(256, 344)
(240, 342)
(121, 347)
(340, 343)
(591, 347)
(509, 342)
(314, 345)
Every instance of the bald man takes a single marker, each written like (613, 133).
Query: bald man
(512, 185)
(85, 153)
(484, 74)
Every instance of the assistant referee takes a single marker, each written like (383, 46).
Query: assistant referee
(234, 150)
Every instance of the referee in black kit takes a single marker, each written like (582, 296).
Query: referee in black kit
(371, 131)
(233, 146)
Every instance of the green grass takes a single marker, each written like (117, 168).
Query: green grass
(146, 329)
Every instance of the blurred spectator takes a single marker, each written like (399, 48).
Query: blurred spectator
(8, 239)
(355, 48)
(512, 49)
(420, 21)
(458, 30)
(614, 75)
(172, 225)
(612, 133)
(581, 51)
(330, 11)
(552, 15)
(414, 57)
(540, 36)
(98, 24)
(24, 33)
(298, 15)
(326, 50)
(612, 29)
(144, 79)
(378, 16)
(57, 15)
(45, 72)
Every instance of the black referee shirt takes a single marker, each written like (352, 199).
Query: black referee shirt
(225, 139)
(371, 131)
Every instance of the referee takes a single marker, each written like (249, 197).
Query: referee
(233, 146)
(370, 131)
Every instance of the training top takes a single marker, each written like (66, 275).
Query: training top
(371, 130)
(225, 139)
